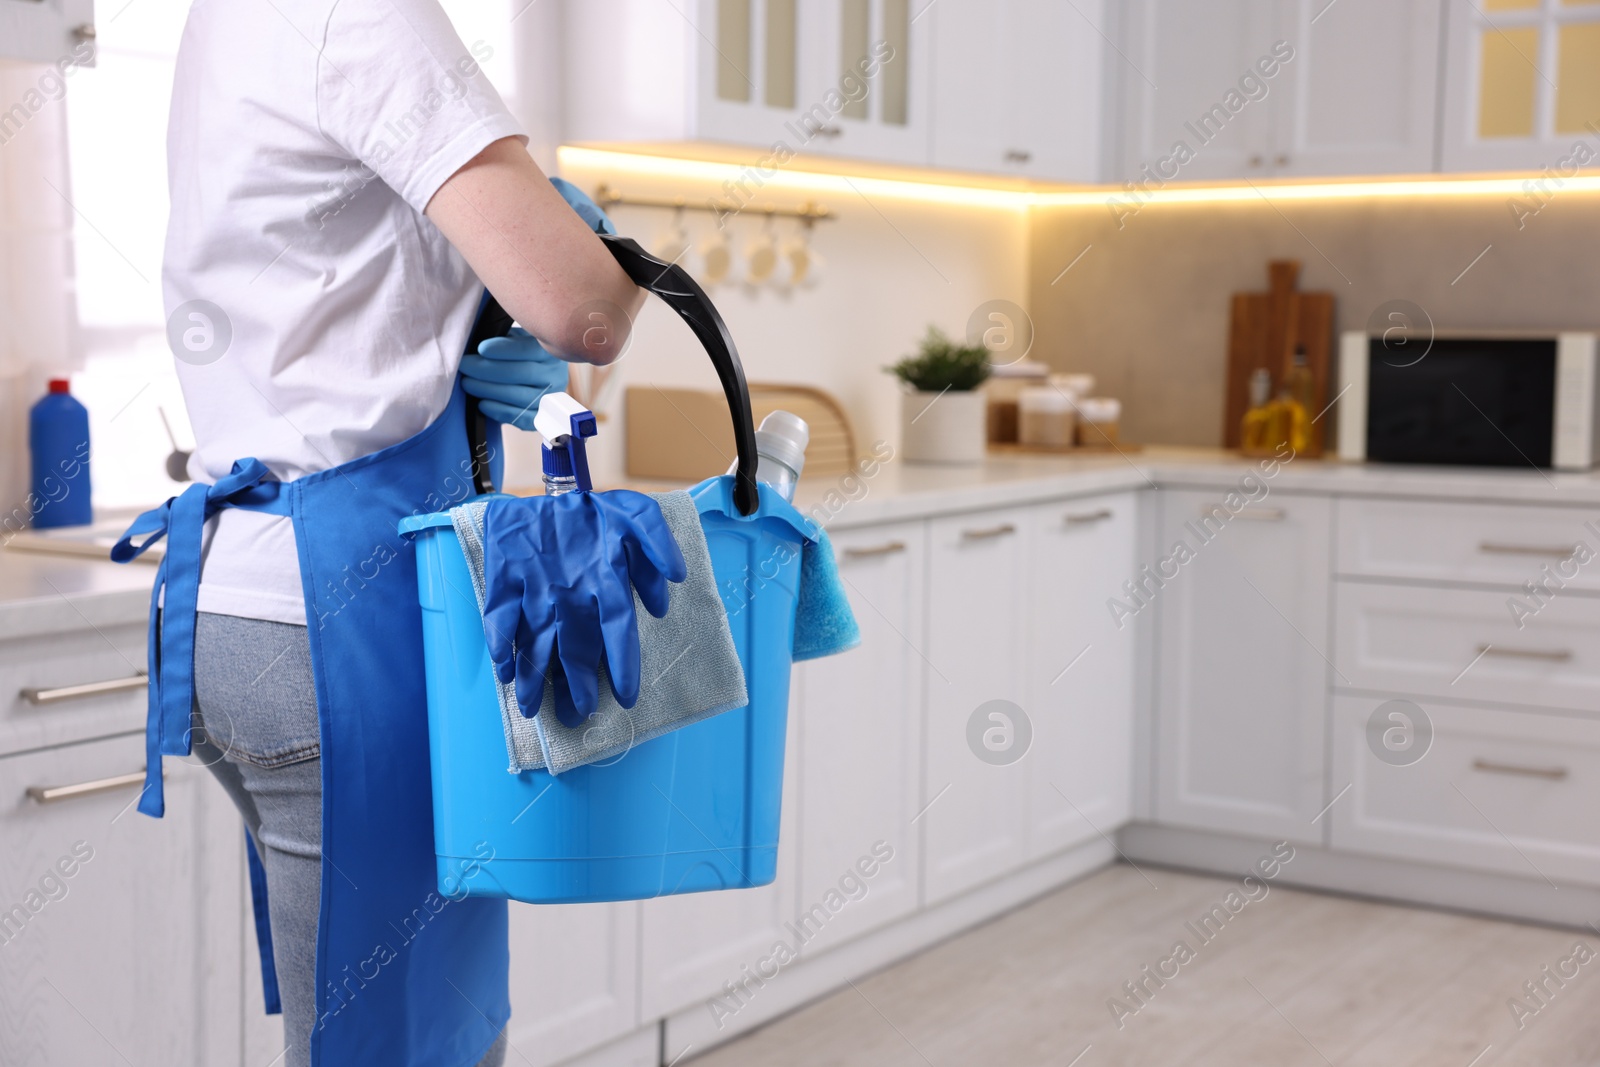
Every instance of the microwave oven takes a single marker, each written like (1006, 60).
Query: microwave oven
(1491, 400)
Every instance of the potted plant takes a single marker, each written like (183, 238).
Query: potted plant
(941, 410)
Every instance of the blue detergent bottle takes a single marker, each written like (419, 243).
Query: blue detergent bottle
(58, 442)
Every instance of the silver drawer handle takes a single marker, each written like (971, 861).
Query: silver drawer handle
(1555, 774)
(1254, 514)
(1018, 155)
(1554, 655)
(1087, 516)
(990, 533)
(1500, 549)
(888, 549)
(49, 794)
(87, 689)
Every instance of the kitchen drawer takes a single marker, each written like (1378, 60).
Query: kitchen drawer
(1504, 544)
(1464, 644)
(120, 935)
(1496, 790)
(62, 687)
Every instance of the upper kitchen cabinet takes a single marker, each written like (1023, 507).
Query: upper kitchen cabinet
(1277, 88)
(47, 31)
(1522, 84)
(1360, 95)
(873, 99)
(837, 77)
(1019, 87)
(1195, 104)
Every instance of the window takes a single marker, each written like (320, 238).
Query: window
(116, 121)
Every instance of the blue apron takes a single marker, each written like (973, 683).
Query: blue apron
(406, 975)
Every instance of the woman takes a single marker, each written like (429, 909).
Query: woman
(344, 184)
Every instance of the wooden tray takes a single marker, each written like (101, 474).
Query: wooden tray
(1264, 331)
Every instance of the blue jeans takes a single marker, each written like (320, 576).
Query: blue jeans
(257, 730)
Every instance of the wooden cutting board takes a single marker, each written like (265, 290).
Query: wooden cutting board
(1264, 331)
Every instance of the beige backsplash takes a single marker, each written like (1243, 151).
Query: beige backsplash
(1146, 308)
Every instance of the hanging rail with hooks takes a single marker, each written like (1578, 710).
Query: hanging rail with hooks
(808, 212)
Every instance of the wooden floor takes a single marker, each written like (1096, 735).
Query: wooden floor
(1293, 979)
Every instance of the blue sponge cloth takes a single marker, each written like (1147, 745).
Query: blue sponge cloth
(823, 621)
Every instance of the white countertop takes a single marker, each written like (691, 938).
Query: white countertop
(48, 594)
(42, 594)
(903, 490)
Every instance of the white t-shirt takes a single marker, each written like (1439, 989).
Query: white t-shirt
(305, 139)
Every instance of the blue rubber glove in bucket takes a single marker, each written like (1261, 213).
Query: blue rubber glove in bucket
(560, 573)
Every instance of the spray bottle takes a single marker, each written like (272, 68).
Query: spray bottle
(566, 426)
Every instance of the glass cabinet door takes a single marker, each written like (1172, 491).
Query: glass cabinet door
(1523, 84)
(753, 69)
(874, 100)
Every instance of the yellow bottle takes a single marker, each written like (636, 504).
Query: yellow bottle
(1255, 432)
(1299, 389)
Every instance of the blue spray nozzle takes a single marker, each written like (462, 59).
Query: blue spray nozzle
(565, 426)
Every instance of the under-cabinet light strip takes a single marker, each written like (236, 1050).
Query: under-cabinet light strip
(752, 185)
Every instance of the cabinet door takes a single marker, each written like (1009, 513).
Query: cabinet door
(591, 998)
(1182, 60)
(1519, 87)
(975, 787)
(44, 33)
(120, 935)
(759, 67)
(690, 945)
(1019, 87)
(1080, 671)
(885, 116)
(1359, 96)
(860, 721)
(1243, 648)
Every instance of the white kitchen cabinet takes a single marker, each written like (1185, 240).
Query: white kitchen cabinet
(1243, 638)
(860, 721)
(974, 824)
(736, 71)
(1519, 88)
(1080, 671)
(1426, 541)
(61, 687)
(753, 73)
(592, 997)
(889, 117)
(134, 956)
(1467, 644)
(1495, 790)
(691, 945)
(1019, 87)
(1181, 59)
(45, 31)
(1360, 95)
(1351, 90)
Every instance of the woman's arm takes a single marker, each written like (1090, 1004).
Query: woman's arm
(547, 268)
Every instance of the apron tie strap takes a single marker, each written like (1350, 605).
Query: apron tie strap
(182, 520)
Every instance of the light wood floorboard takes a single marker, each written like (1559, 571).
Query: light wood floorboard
(1294, 978)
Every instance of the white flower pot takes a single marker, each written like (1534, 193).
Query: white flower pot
(942, 427)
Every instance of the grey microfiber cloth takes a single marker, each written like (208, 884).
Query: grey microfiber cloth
(688, 667)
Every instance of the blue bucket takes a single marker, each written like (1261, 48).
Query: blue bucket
(693, 810)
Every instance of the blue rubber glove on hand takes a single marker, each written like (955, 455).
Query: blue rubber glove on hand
(560, 573)
(586, 208)
(509, 375)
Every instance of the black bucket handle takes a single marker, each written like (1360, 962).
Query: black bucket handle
(683, 295)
